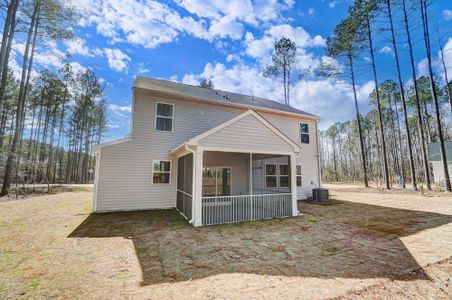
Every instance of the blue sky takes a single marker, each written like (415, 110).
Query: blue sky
(229, 42)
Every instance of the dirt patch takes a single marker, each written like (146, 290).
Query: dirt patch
(29, 191)
(438, 287)
(52, 247)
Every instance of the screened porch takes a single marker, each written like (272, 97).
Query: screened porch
(237, 187)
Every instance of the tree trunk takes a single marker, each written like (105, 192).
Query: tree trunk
(358, 117)
(21, 104)
(380, 116)
(7, 42)
(402, 97)
(418, 106)
(442, 148)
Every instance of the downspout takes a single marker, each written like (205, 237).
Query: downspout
(193, 185)
(96, 180)
(318, 153)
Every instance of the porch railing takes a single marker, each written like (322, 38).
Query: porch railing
(184, 203)
(229, 209)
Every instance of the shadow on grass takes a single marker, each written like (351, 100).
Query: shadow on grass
(346, 239)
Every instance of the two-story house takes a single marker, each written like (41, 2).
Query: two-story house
(216, 156)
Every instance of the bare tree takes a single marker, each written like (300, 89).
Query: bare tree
(284, 59)
(434, 95)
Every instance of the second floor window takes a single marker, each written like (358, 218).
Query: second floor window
(164, 114)
(304, 133)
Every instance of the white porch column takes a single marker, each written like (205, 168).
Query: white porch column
(197, 178)
(250, 174)
(293, 184)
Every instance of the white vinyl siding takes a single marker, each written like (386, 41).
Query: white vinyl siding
(247, 133)
(308, 158)
(125, 170)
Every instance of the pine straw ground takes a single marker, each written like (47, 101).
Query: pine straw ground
(367, 244)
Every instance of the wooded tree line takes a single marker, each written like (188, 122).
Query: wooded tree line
(49, 120)
(390, 140)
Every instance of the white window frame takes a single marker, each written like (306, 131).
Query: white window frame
(305, 133)
(299, 175)
(164, 172)
(279, 176)
(276, 175)
(156, 116)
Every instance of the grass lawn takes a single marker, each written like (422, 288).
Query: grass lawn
(368, 244)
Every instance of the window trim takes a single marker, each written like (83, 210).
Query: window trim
(301, 176)
(156, 116)
(279, 176)
(276, 175)
(300, 133)
(168, 172)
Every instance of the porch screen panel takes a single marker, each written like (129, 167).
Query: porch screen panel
(185, 185)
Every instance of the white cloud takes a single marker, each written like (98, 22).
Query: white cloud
(118, 117)
(147, 23)
(333, 4)
(47, 55)
(76, 67)
(260, 48)
(386, 50)
(437, 64)
(246, 11)
(447, 14)
(331, 99)
(141, 69)
(119, 113)
(150, 23)
(118, 108)
(311, 11)
(173, 78)
(79, 46)
(226, 27)
(117, 60)
(233, 57)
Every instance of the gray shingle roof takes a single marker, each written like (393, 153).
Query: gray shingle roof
(214, 95)
(434, 153)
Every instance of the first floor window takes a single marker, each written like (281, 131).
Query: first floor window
(164, 117)
(161, 171)
(283, 175)
(298, 175)
(304, 133)
(271, 175)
